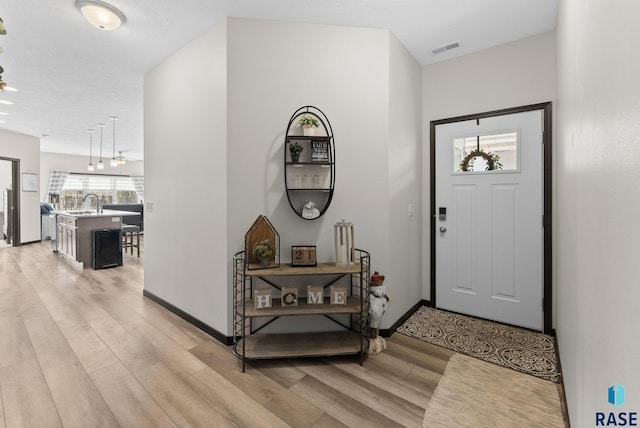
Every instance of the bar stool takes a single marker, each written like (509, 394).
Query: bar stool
(128, 232)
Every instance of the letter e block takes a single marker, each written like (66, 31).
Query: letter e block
(262, 298)
(338, 295)
(315, 295)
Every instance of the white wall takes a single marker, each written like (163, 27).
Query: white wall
(27, 150)
(598, 206)
(510, 75)
(277, 67)
(369, 88)
(186, 259)
(404, 249)
(78, 164)
(5, 183)
(5, 175)
(244, 80)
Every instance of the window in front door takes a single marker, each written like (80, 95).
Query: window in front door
(486, 153)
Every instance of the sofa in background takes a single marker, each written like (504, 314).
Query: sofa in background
(136, 220)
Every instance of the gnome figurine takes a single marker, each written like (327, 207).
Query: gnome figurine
(378, 301)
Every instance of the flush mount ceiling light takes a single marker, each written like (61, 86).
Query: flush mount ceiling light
(100, 14)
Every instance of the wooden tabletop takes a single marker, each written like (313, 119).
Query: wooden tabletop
(324, 268)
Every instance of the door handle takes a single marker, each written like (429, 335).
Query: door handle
(443, 229)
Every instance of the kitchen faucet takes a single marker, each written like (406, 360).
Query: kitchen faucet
(98, 204)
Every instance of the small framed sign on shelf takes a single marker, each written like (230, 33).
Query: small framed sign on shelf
(303, 255)
(320, 151)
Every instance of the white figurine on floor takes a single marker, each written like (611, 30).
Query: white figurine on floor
(378, 302)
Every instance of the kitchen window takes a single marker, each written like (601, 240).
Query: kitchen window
(111, 189)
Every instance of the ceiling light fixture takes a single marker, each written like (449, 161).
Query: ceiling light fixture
(100, 164)
(90, 166)
(121, 159)
(114, 161)
(100, 14)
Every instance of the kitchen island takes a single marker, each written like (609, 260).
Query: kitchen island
(74, 232)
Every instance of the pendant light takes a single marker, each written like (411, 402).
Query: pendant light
(100, 164)
(90, 167)
(114, 161)
(121, 159)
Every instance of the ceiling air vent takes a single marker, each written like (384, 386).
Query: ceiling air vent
(445, 48)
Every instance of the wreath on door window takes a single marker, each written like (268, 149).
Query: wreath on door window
(493, 160)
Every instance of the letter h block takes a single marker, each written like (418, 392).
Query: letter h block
(262, 298)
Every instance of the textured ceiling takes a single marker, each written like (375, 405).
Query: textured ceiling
(70, 76)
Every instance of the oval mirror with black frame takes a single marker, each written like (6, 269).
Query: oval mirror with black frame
(309, 162)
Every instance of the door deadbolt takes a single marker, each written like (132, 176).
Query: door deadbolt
(443, 229)
(442, 213)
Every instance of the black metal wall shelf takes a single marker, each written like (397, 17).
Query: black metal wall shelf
(311, 179)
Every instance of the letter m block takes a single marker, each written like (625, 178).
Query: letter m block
(315, 294)
(616, 395)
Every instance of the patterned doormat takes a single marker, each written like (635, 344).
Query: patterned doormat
(516, 348)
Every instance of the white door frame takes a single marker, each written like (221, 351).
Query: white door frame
(547, 291)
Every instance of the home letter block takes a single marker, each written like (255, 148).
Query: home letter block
(338, 295)
(262, 298)
(289, 296)
(315, 294)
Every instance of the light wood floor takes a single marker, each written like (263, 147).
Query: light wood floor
(85, 349)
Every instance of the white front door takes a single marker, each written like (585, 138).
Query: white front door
(488, 228)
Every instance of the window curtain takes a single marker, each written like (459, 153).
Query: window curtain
(138, 185)
(56, 181)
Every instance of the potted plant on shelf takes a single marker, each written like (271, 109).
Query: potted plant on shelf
(309, 125)
(295, 149)
(263, 250)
